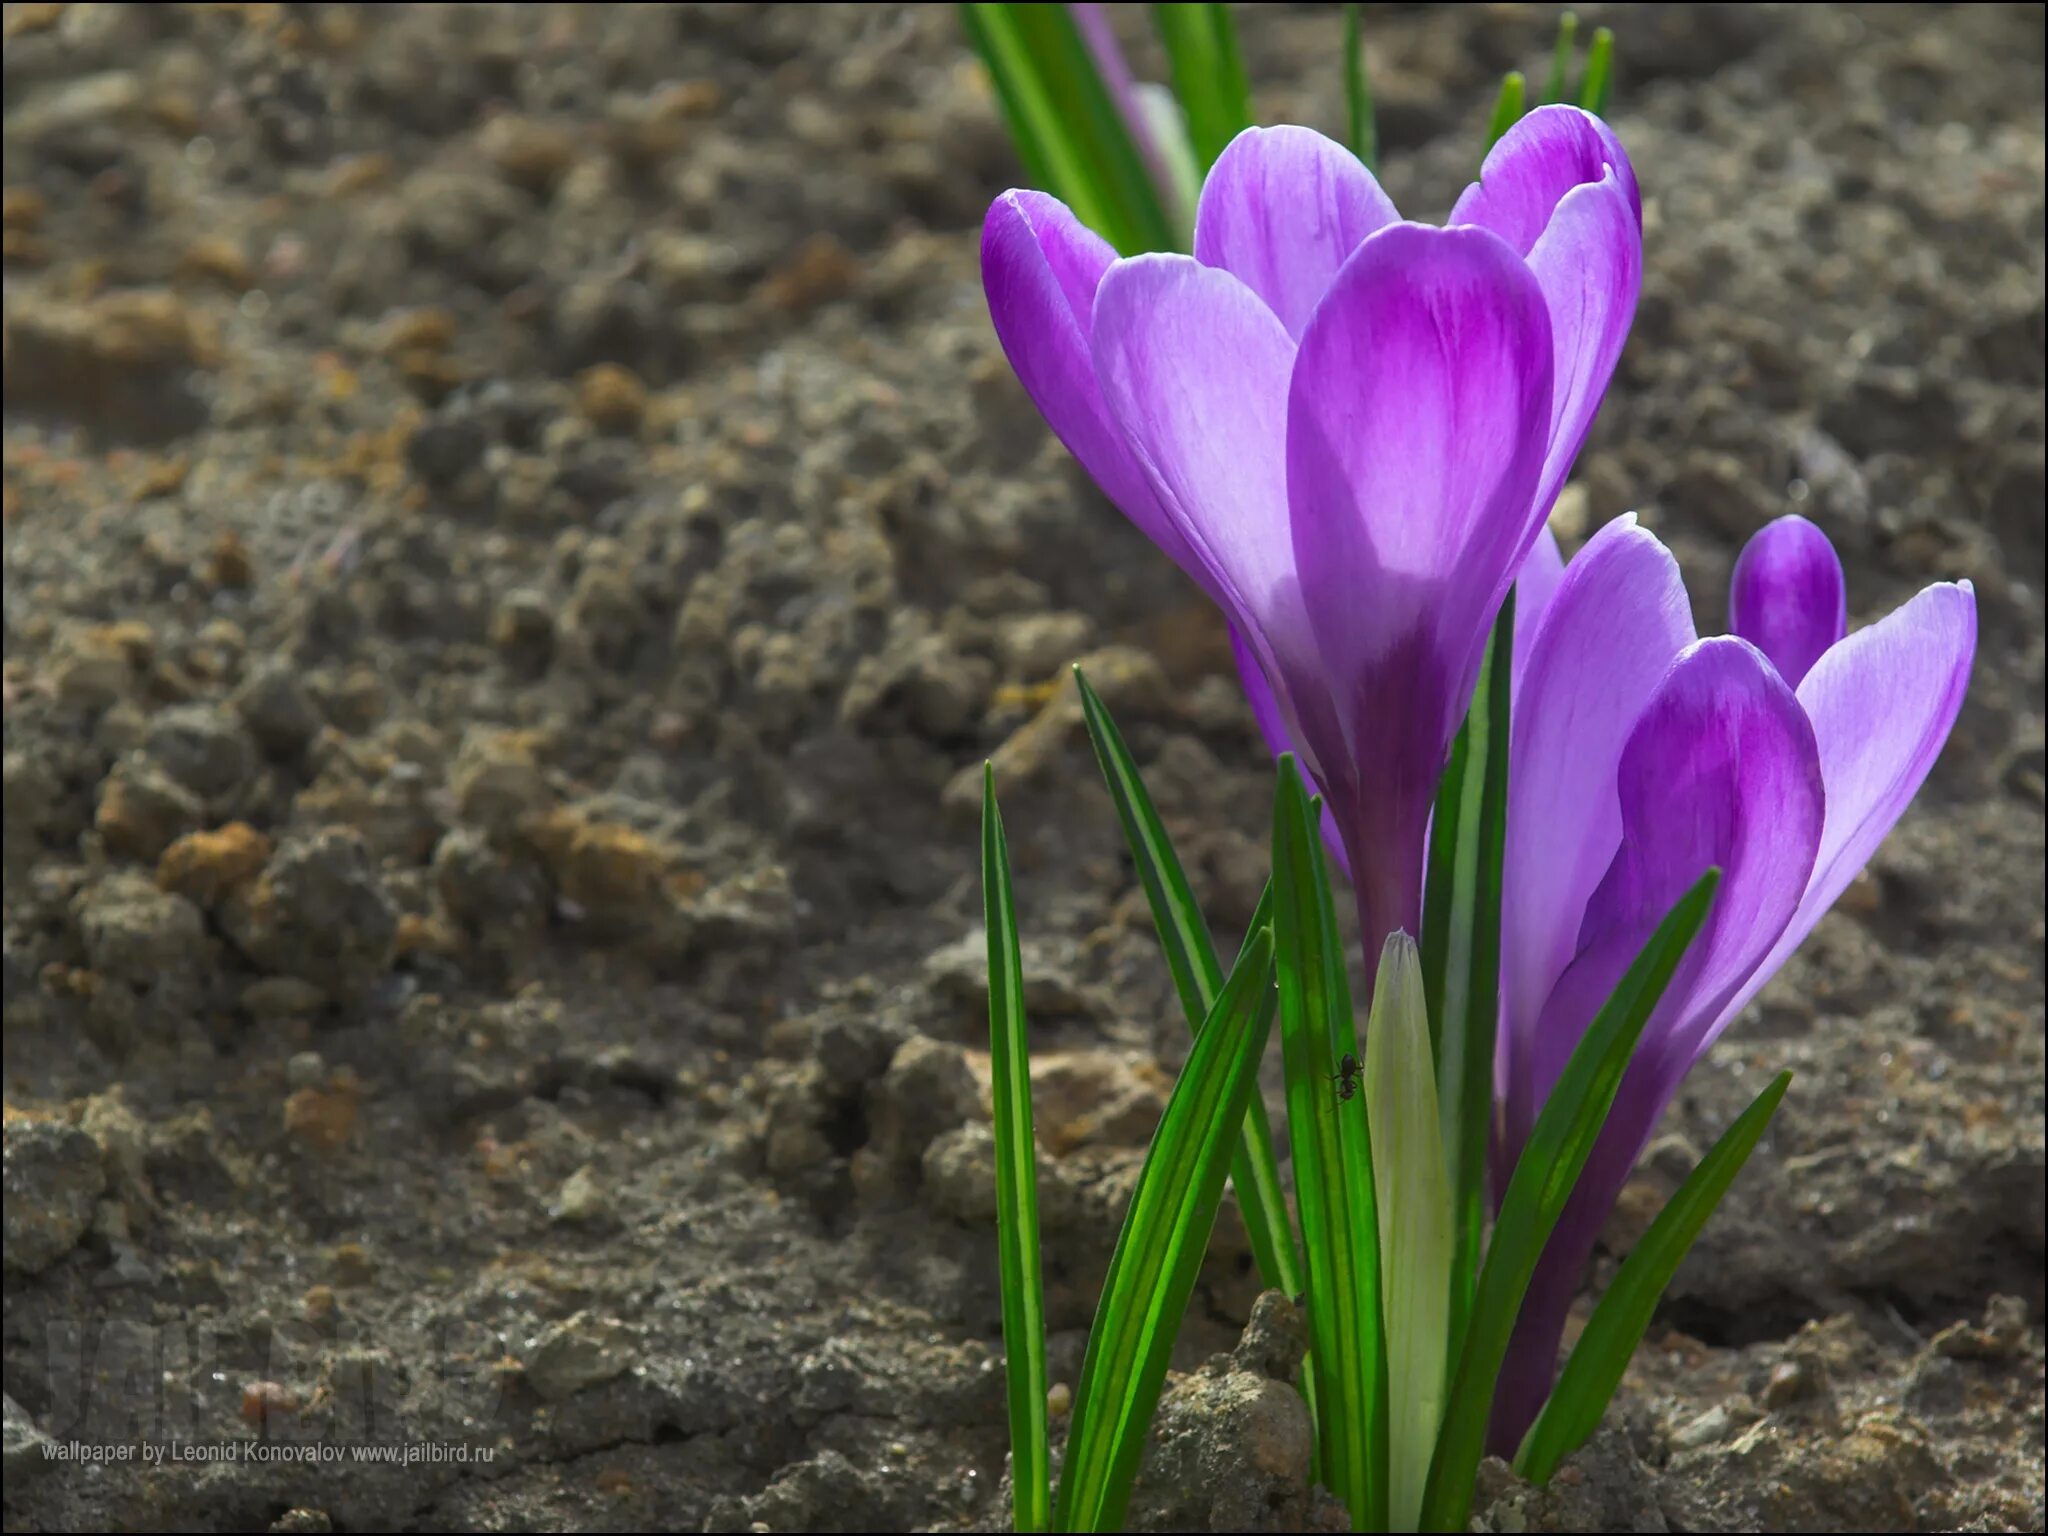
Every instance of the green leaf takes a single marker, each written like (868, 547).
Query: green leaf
(1364, 122)
(1507, 107)
(1333, 1164)
(1545, 1174)
(1016, 1177)
(1208, 74)
(1191, 957)
(1414, 1196)
(1073, 140)
(1561, 56)
(1599, 80)
(1461, 951)
(1159, 1252)
(1609, 1342)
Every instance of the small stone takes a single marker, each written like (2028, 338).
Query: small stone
(353, 1266)
(277, 709)
(135, 933)
(926, 1091)
(54, 1177)
(526, 151)
(1059, 1400)
(611, 398)
(1793, 1381)
(1275, 1338)
(263, 1401)
(583, 1198)
(1034, 646)
(607, 868)
(305, 1069)
(205, 867)
(322, 1118)
(143, 810)
(498, 781)
(583, 1352)
(317, 912)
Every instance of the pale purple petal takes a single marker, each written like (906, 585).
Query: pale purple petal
(1534, 587)
(1788, 598)
(1616, 624)
(1194, 369)
(1882, 703)
(1415, 427)
(1536, 163)
(1282, 208)
(1040, 267)
(1721, 770)
(1279, 738)
(1589, 262)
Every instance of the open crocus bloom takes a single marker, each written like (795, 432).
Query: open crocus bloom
(1641, 756)
(1347, 429)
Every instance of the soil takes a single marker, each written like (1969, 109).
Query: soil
(518, 540)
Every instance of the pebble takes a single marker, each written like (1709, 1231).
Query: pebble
(318, 913)
(205, 867)
(585, 1351)
(143, 810)
(54, 1177)
(204, 747)
(135, 933)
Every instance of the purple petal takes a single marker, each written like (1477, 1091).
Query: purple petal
(1194, 370)
(1280, 739)
(1619, 619)
(1881, 703)
(1536, 163)
(1092, 22)
(1282, 208)
(1589, 262)
(1415, 429)
(1721, 770)
(1534, 588)
(1040, 267)
(1788, 598)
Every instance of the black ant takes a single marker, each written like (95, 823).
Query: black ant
(1346, 1077)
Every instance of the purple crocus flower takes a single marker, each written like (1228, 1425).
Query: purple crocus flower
(1641, 755)
(1347, 429)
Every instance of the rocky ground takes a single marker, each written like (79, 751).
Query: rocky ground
(518, 539)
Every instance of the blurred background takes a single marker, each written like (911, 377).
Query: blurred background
(518, 539)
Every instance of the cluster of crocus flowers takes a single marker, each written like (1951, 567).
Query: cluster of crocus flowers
(1349, 431)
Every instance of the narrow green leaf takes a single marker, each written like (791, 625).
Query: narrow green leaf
(1072, 139)
(1599, 81)
(1333, 1164)
(1551, 1161)
(1191, 958)
(1609, 1342)
(1364, 121)
(1208, 74)
(1414, 1196)
(1016, 1177)
(1507, 107)
(1562, 55)
(1461, 975)
(1159, 1251)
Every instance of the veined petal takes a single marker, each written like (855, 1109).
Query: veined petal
(1589, 261)
(1788, 598)
(1534, 588)
(1882, 703)
(1040, 267)
(1619, 619)
(1536, 163)
(1415, 425)
(1280, 739)
(1721, 770)
(1281, 210)
(1194, 370)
